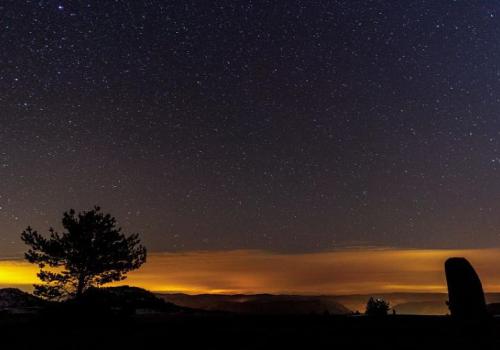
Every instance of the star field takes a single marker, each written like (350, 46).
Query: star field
(289, 125)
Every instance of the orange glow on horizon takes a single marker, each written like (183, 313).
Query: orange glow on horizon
(359, 271)
(17, 273)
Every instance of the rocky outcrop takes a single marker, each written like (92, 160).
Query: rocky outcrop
(465, 292)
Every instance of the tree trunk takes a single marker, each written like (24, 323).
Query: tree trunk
(81, 286)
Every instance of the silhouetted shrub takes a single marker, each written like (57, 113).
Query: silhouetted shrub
(377, 307)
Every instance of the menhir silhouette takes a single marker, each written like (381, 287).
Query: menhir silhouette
(465, 292)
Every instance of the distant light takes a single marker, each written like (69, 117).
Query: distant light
(60, 7)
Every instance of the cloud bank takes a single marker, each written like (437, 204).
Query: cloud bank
(251, 271)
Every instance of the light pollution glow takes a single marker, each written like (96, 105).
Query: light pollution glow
(352, 271)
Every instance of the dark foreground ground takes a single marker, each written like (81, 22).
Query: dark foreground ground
(202, 331)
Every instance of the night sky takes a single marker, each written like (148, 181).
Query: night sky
(290, 126)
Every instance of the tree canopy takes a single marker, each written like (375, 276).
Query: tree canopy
(377, 307)
(90, 252)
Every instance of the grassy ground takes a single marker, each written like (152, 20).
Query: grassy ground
(210, 331)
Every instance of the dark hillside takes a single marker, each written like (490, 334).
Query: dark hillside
(259, 303)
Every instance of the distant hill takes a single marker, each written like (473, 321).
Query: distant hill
(125, 298)
(259, 303)
(422, 308)
(404, 303)
(15, 300)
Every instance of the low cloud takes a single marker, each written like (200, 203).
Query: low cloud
(251, 271)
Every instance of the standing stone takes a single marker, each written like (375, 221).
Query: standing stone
(465, 292)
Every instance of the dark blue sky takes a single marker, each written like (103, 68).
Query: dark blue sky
(281, 125)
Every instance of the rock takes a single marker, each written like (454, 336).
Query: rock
(465, 292)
